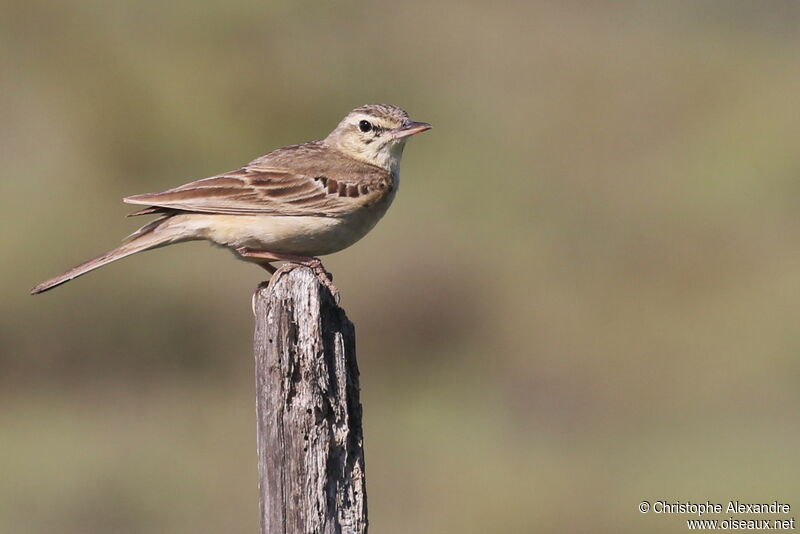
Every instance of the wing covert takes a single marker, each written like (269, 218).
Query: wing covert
(256, 189)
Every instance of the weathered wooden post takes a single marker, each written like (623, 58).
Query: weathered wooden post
(310, 442)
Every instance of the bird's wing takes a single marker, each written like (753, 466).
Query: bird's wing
(330, 185)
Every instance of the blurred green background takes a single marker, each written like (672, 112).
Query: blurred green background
(585, 295)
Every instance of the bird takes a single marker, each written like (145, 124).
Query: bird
(293, 204)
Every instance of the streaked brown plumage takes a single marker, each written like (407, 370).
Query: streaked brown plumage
(307, 179)
(293, 204)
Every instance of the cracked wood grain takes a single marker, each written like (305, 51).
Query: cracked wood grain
(309, 437)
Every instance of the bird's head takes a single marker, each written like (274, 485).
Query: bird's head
(375, 134)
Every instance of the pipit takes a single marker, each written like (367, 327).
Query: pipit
(293, 204)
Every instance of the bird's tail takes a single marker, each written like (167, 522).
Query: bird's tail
(152, 235)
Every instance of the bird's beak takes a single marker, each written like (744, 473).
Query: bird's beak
(410, 128)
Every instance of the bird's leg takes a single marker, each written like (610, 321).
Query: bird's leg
(314, 263)
(268, 267)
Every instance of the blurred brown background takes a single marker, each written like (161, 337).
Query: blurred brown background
(585, 295)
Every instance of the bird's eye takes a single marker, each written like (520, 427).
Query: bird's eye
(365, 126)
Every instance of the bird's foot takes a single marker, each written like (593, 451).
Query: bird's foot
(315, 264)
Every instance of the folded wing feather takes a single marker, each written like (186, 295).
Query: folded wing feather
(339, 187)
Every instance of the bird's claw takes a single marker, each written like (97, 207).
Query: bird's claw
(315, 264)
(325, 278)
